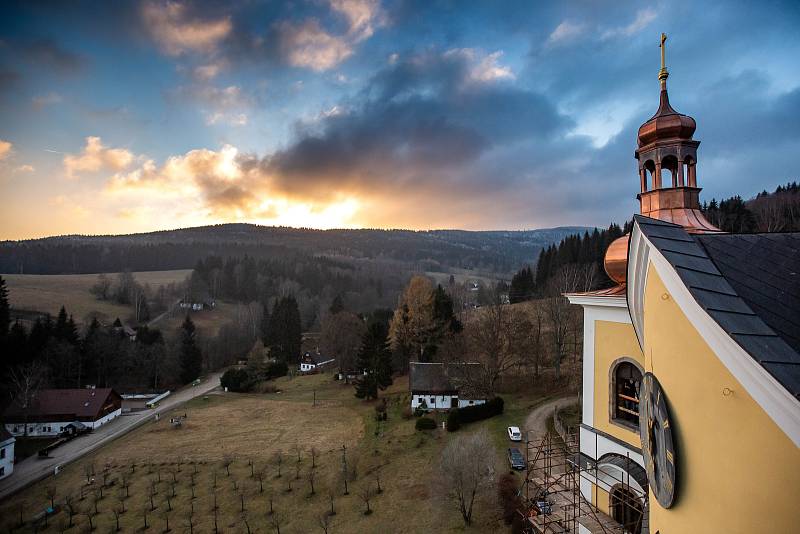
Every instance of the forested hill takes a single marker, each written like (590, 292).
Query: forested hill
(500, 252)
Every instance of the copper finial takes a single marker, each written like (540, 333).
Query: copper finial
(663, 74)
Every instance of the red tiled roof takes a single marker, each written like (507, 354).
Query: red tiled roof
(62, 403)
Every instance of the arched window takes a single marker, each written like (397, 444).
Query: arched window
(626, 509)
(650, 170)
(669, 164)
(626, 378)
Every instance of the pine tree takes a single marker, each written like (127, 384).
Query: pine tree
(375, 359)
(284, 332)
(191, 358)
(337, 305)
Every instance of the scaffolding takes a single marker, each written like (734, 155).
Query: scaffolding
(554, 503)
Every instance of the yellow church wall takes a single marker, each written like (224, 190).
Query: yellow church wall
(600, 498)
(737, 471)
(612, 341)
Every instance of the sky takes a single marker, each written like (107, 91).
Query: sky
(132, 116)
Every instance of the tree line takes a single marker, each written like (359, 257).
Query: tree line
(54, 353)
(778, 211)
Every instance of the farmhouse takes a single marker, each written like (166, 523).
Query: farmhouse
(6, 453)
(52, 411)
(691, 364)
(439, 386)
(313, 362)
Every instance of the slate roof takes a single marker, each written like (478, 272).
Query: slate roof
(748, 283)
(438, 377)
(61, 404)
(5, 435)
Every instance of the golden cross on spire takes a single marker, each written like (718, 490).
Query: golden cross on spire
(663, 74)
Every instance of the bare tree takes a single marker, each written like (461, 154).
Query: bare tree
(116, 514)
(314, 452)
(499, 341)
(465, 470)
(325, 523)
(190, 522)
(259, 475)
(298, 450)
(366, 493)
(331, 491)
(25, 382)
(72, 509)
(227, 461)
(121, 500)
(276, 520)
(90, 515)
(50, 492)
(311, 476)
(277, 459)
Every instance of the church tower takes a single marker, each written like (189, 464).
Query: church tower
(667, 157)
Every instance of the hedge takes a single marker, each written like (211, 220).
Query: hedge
(470, 414)
(238, 380)
(425, 423)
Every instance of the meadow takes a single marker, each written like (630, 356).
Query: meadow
(220, 471)
(47, 293)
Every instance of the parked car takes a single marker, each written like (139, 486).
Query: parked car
(514, 433)
(516, 459)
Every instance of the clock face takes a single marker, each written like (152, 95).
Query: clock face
(658, 448)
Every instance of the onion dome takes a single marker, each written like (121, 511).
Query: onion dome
(616, 259)
(666, 124)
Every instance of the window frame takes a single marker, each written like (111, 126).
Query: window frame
(613, 418)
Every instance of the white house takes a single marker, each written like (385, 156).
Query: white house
(52, 410)
(439, 386)
(314, 362)
(6, 453)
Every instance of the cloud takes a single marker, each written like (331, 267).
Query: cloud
(24, 168)
(643, 18)
(177, 32)
(219, 105)
(363, 16)
(308, 45)
(484, 67)
(5, 149)
(207, 72)
(47, 53)
(42, 101)
(565, 32)
(95, 157)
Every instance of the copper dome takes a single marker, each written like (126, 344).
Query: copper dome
(616, 259)
(666, 124)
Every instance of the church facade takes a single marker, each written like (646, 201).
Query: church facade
(691, 370)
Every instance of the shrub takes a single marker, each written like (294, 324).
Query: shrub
(419, 412)
(470, 414)
(238, 380)
(425, 423)
(276, 369)
(453, 422)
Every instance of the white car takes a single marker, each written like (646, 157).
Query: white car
(514, 433)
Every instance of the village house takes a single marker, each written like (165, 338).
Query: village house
(53, 411)
(314, 362)
(6, 453)
(439, 386)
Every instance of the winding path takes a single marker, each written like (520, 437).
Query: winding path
(536, 423)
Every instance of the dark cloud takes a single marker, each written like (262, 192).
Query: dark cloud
(415, 124)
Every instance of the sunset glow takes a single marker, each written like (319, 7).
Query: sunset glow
(151, 115)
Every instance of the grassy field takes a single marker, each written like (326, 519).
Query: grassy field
(309, 411)
(47, 293)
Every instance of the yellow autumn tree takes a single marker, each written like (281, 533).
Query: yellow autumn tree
(412, 321)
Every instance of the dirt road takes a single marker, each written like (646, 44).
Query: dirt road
(536, 423)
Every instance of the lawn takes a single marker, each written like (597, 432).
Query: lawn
(47, 293)
(307, 411)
